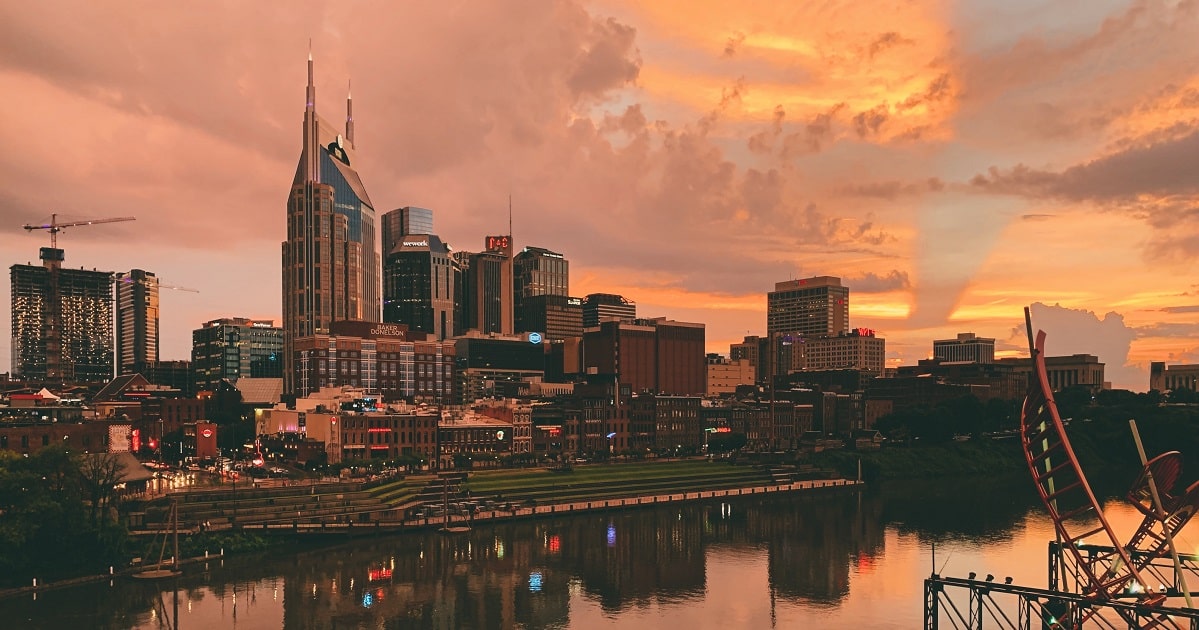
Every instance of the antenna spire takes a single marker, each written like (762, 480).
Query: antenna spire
(510, 216)
(349, 114)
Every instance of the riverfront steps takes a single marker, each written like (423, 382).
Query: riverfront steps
(343, 505)
(550, 509)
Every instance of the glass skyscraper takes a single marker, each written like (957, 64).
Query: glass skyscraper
(402, 222)
(418, 286)
(330, 258)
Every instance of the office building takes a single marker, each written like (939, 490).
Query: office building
(858, 349)
(598, 307)
(659, 356)
(496, 366)
(724, 375)
(231, 348)
(418, 285)
(556, 317)
(486, 300)
(61, 321)
(383, 359)
(330, 258)
(137, 320)
(811, 307)
(967, 347)
(403, 222)
(537, 271)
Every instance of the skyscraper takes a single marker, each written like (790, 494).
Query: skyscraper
(811, 307)
(404, 221)
(330, 258)
(231, 348)
(418, 285)
(137, 321)
(537, 271)
(487, 291)
(61, 321)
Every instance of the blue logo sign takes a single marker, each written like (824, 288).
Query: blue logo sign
(534, 337)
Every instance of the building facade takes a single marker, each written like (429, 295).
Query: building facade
(418, 285)
(401, 222)
(966, 347)
(486, 297)
(537, 271)
(62, 322)
(330, 258)
(1165, 378)
(598, 307)
(231, 348)
(649, 355)
(556, 317)
(724, 375)
(811, 307)
(858, 349)
(383, 359)
(137, 334)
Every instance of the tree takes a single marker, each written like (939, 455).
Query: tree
(100, 473)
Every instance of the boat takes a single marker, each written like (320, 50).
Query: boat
(160, 570)
(446, 528)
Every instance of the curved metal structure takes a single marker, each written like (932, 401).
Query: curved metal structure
(1076, 513)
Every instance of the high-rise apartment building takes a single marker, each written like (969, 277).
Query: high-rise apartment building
(967, 347)
(598, 307)
(330, 258)
(811, 307)
(418, 285)
(61, 321)
(537, 271)
(232, 348)
(402, 222)
(137, 321)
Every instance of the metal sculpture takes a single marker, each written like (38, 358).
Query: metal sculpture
(1106, 571)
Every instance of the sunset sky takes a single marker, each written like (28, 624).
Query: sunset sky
(951, 162)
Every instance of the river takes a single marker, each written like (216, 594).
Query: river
(827, 560)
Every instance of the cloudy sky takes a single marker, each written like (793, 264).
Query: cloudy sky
(952, 162)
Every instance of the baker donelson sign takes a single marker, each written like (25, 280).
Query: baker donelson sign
(387, 330)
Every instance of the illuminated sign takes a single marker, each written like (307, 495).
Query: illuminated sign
(499, 435)
(136, 438)
(534, 337)
(498, 243)
(865, 332)
(387, 330)
(574, 301)
(415, 243)
(555, 432)
(374, 575)
(206, 433)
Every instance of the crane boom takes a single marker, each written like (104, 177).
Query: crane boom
(160, 285)
(54, 227)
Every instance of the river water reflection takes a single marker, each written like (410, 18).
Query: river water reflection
(844, 560)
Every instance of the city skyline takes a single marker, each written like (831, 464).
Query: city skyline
(950, 166)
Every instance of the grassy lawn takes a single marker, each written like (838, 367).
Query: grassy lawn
(685, 473)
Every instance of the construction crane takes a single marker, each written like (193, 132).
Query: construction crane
(54, 227)
(128, 280)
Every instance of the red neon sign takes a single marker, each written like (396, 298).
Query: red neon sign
(375, 575)
(376, 430)
(206, 433)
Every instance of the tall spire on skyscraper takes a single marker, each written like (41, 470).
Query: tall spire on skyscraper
(312, 164)
(349, 115)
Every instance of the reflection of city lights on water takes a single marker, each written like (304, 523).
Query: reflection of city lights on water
(611, 535)
(555, 544)
(499, 549)
(367, 600)
(535, 581)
